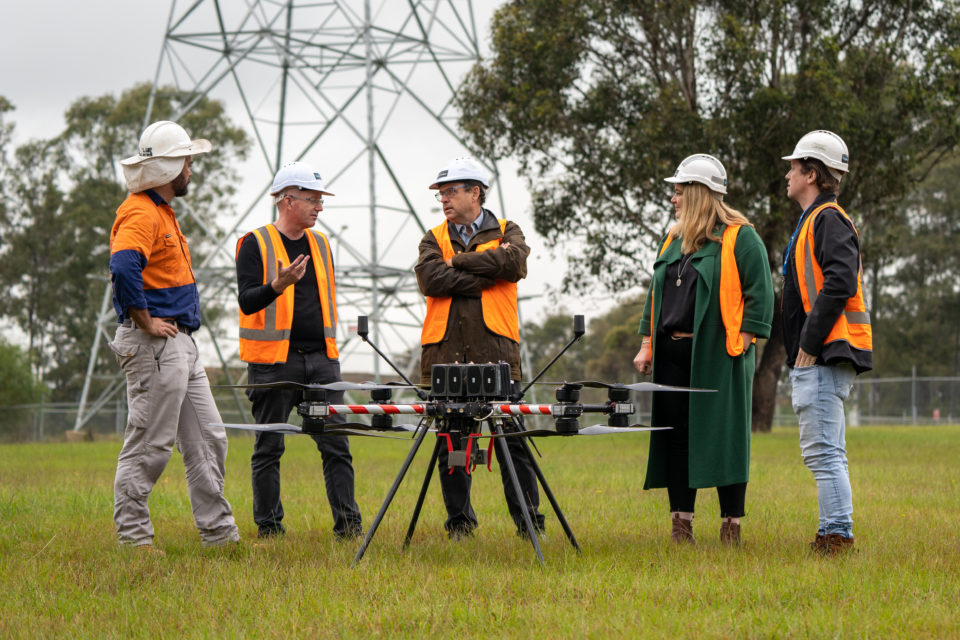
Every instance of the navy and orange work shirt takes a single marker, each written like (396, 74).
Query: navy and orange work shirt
(150, 262)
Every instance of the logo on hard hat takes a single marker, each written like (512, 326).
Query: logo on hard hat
(146, 152)
(316, 176)
(442, 174)
(844, 158)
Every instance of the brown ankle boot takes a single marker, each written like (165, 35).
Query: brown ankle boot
(682, 531)
(730, 533)
(835, 544)
(818, 544)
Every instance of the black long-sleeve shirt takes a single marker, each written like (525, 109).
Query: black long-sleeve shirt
(837, 250)
(253, 295)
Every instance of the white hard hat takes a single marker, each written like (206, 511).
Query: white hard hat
(825, 146)
(297, 174)
(460, 169)
(166, 139)
(704, 169)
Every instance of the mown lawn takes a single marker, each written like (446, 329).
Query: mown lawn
(63, 575)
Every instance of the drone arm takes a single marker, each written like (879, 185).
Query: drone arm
(363, 330)
(578, 331)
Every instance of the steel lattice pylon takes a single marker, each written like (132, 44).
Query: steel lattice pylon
(327, 82)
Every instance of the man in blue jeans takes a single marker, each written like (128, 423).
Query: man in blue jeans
(826, 327)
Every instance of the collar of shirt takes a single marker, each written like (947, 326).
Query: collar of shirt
(157, 200)
(474, 227)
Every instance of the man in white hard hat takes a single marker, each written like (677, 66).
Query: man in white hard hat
(158, 309)
(288, 322)
(468, 269)
(826, 326)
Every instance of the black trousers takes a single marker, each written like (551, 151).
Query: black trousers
(456, 487)
(672, 365)
(275, 405)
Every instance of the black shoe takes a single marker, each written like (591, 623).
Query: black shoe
(459, 533)
(541, 533)
(352, 533)
(271, 532)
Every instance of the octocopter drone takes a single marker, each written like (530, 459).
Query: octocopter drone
(462, 399)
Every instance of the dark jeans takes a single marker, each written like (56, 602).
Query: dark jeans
(456, 487)
(673, 367)
(275, 405)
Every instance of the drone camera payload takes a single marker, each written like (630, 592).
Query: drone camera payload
(490, 381)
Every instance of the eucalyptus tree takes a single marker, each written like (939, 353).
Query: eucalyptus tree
(600, 99)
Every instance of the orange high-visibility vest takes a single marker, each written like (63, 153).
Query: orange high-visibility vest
(265, 335)
(499, 302)
(731, 292)
(853, 326)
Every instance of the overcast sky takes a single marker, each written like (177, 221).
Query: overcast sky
(55, 51)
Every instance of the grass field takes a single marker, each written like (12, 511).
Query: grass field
(64, 576)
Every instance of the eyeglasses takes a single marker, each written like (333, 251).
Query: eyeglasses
(449, 193)
(314, 201)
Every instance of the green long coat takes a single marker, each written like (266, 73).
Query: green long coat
(719, 422)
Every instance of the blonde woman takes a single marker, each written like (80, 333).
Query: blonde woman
(710, 297)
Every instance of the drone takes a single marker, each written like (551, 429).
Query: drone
(462, 398)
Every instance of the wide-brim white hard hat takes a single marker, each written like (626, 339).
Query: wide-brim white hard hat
(825, 146)
(166, 139)
(297, 174)
(460, 169)
(701, 168)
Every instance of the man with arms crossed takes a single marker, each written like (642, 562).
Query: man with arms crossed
(468, 269)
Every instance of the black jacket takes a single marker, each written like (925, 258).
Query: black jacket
(837, 250)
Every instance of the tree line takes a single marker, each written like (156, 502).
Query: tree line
(601, 99)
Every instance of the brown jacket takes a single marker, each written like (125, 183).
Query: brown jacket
(467, 339)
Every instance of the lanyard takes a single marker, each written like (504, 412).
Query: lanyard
(793, 238)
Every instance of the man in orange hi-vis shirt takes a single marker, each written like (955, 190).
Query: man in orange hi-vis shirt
(158, 309)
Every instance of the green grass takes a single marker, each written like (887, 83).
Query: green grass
(63, 575)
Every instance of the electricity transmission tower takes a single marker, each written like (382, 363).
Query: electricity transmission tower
(362, 90)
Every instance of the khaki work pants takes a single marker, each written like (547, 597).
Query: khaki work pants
(168, 400)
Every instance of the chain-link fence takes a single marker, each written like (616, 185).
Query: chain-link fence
(874, 401)
(894, 401)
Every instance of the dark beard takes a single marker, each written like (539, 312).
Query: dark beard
(181, 185)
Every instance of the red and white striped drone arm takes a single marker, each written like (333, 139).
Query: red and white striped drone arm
(341, 409)
(525, 409)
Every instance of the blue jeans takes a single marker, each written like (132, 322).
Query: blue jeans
(818, 395)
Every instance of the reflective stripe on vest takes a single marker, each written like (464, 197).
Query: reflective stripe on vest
(265, 335)
(499, 302)
(853, 325)
(731, 292)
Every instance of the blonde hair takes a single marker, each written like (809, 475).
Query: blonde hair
(701, 212)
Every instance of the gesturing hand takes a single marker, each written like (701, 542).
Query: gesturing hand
(290, 275)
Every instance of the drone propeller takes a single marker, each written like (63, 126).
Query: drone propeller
(596, 430)
(330, 386)
(636, 386)
(349, 428)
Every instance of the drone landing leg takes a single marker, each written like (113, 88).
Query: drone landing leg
(524, 507)
(423, 493)
(425, 428)
(549, 494)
